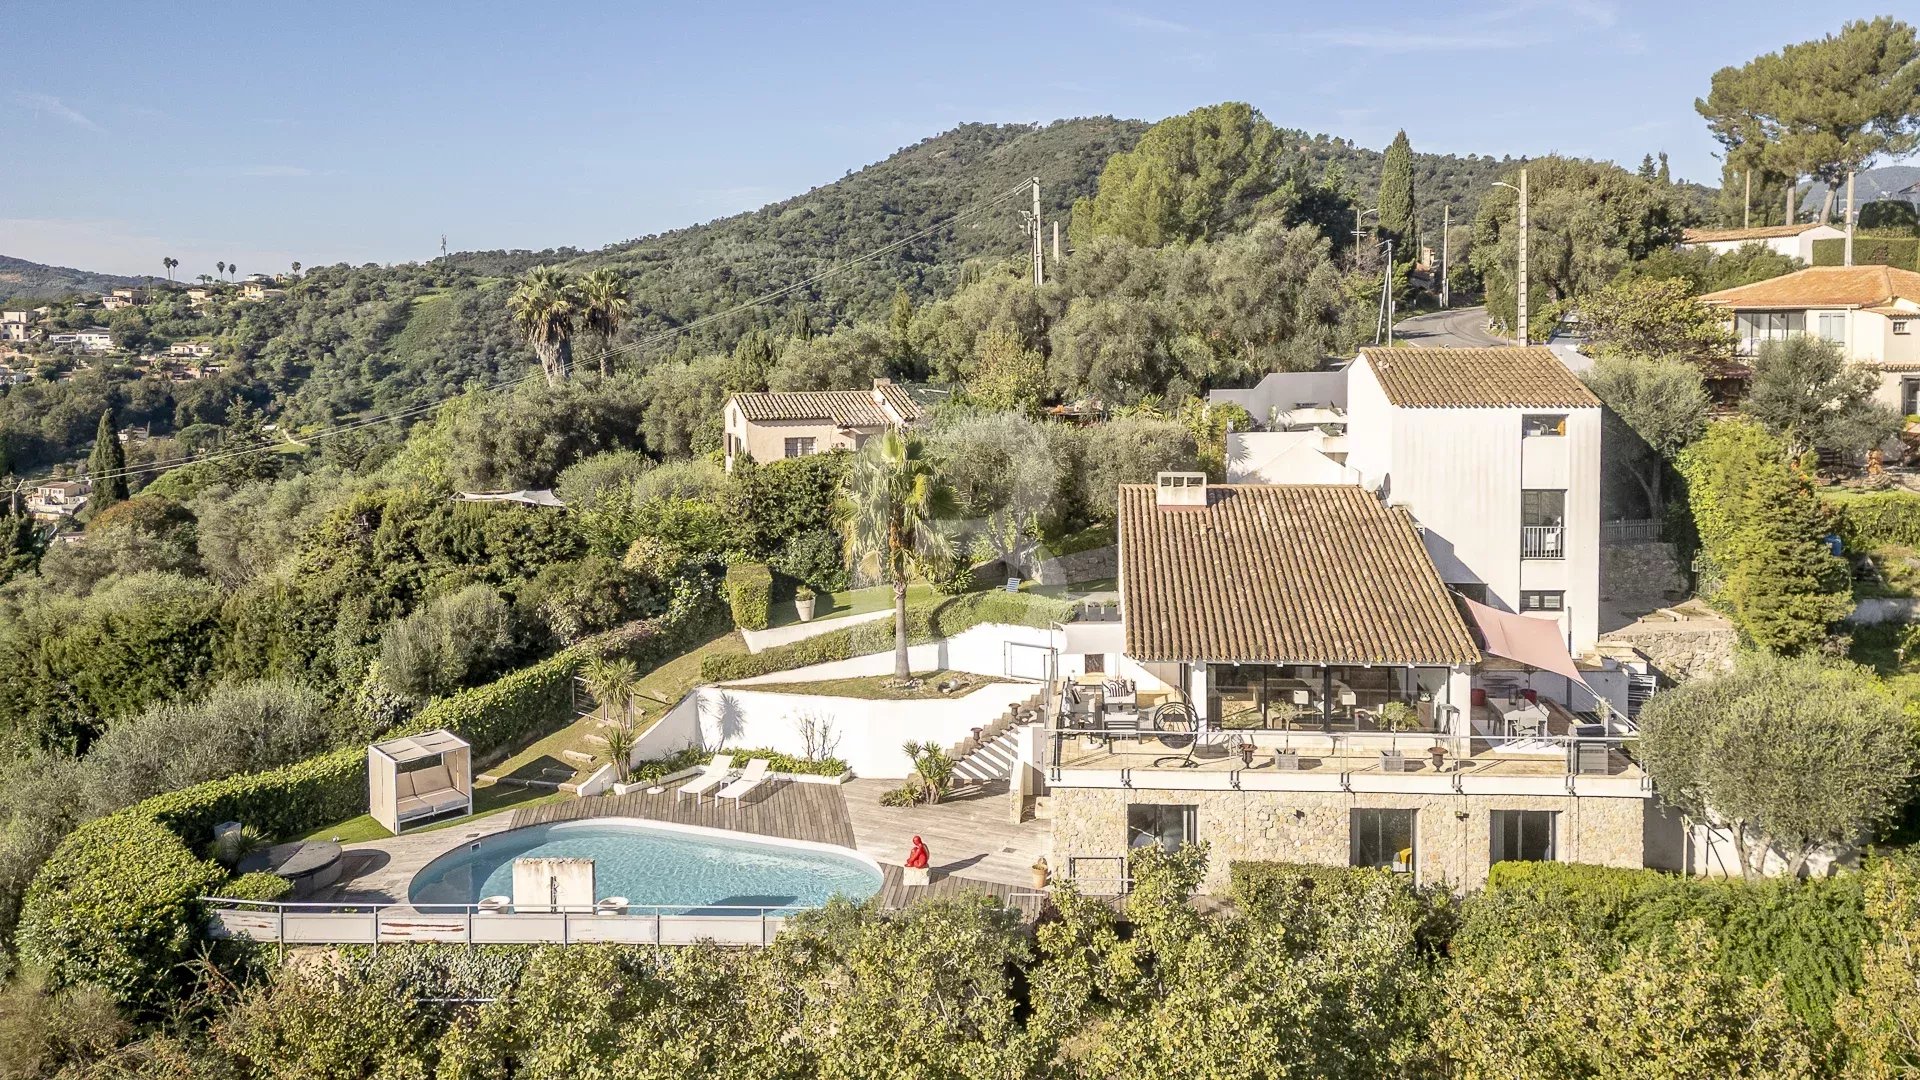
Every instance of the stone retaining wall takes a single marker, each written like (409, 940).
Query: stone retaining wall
(1641, 575)
(1452, 839)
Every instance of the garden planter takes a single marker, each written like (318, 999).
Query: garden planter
(804, 608)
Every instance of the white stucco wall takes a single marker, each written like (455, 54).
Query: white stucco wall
(987, 649)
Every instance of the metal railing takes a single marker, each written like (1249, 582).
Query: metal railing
(1345, 752)
(381, 923)
(1543, 542)
(1630, 530)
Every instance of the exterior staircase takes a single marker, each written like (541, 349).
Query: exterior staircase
(991, 752)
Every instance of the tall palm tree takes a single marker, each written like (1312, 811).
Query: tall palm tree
(545, 306)
(891, 510)
(296, 268)
(169, 262)
(222, 267)
(603, 308)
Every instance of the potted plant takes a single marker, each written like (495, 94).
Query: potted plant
(803, 603)
(1396, 717)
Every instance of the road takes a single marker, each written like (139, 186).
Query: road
(1460, 328)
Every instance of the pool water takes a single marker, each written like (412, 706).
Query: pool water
(649, 865)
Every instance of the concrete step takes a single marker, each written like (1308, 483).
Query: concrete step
(578, 758)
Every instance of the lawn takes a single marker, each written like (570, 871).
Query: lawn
(657, 692)
(849, 602)
(1899, 573)
(487, 799)
(878, 687)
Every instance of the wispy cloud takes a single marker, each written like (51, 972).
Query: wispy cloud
(1150, 23)
(53, 106)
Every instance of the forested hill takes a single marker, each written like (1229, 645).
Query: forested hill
(20, 279)
(686, 273)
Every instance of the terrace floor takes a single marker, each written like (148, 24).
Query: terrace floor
(1508, 757)
(973, 845)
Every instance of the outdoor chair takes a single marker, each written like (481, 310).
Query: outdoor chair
(711, 775)
(752, 777)
(1121, 723)
(425, 793)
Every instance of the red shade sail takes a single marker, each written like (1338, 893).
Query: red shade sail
(1537, 643)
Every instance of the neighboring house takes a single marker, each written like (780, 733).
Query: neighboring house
(190, 349)
(1287, 627)
(770, 427)
(58, 499)
(16, 326)
(1794, 240)
(121, 298)
(259, 288)
(1871, 312)
(199, 295)
(1495, 452)
(94, 339)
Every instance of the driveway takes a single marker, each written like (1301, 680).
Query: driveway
(1460, 328)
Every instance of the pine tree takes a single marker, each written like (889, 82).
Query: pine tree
(1646, 167)
(1786, 587)
(900, 323)
(1663, 174)
(107, 465)
(1396, 198)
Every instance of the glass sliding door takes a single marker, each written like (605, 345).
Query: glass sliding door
(1384, 839)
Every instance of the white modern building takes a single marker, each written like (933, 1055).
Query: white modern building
(1794, 240)
(1494, 452)
(1871, 312)
(93, 339)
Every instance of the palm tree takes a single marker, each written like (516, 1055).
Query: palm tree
(891, 510)
(233, 269)
(296, 268)
(603, 308)
(545, 305)
(222, 267)
(206, 279)
(169, 262)
(611, 682)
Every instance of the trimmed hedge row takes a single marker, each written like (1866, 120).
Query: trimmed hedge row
(1870, 250)
(259, 885)
(118, 905)
(116, 902)
(1879, 517)
(786, 763)
(750, 595)
(927, 620)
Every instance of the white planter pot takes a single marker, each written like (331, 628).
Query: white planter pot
(805, 609)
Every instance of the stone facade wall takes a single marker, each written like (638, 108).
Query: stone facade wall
(1641, 576)
(1683, 649)
(1452, 837)
(1089, 565)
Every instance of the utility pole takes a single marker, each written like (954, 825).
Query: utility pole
(1523, 258)
(1039, 252)
(1746, 204)
(1446, 212)
(443, 245)
(1849, 260)
(1383, 319)
(1056, 244)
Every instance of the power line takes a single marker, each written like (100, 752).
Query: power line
(659, 337)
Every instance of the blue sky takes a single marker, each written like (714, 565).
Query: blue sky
(355, 131)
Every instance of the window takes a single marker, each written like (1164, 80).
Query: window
(800, 447)
(1384, 839)
(1541, 507)
(1472, 590)
(1159, 825)
(1542, 601)
(1523, 835)
(1910, 397)
(1534, 427)
(1831, 326)
(1096, 663)
(1900, 326)
(1754, 328)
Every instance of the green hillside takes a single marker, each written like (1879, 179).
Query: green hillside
(23, 280)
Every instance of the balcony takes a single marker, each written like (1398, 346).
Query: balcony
(1543, 542)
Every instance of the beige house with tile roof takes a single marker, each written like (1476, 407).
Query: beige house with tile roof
(773, 426)
(1871, 312)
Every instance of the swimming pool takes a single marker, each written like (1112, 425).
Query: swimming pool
(688, 871)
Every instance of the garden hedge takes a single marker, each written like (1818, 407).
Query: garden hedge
(116, 902)
(927, 620)
(750, 595)
(1880, 517)
(261, 885)
(1870, 250)
(787, 763)
(118, 905)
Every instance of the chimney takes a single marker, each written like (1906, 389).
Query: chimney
(1180, 489)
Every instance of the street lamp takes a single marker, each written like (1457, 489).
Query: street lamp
(1522, 290)
(1359, 215)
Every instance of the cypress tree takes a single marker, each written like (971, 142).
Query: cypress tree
(900, 323)
(1396, 198)
(107, 465)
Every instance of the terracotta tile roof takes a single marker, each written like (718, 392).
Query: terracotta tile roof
(1509, 377)
(1761, 232)
(847, 408)
(1283, 573)
(1824, 286)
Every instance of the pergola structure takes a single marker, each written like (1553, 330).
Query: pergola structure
(419, 776)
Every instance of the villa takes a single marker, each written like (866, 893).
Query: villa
(1794, 240)
(1871, 312)
(1292, 678)
(771, 427)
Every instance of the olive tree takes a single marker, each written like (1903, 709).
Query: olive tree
(1790, 754)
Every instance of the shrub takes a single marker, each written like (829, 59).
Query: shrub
(1591, 897)
(813, 557)
(649, 771)
(260, 885)
(1900, 251)
(448, 642)
(787, 763)
(1885, 517)
(117, 906)
(926, 621)
(750, 594)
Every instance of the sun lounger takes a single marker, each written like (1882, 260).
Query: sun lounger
(711, 775)
(752, 777)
